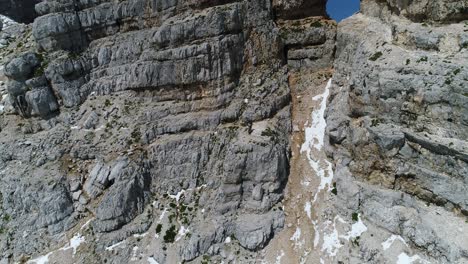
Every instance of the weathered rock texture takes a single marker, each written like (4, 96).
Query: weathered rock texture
(159, 131)
(169, 118)
(397, 125)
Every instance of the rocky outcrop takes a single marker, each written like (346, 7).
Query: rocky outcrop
(170, 115)
(397, 123)
(444, 11)
(160, 131)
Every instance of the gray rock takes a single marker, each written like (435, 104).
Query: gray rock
(399, 95)
(91, 121)
(97, 181)
(42, 101)
(254, 231)
(75, 186)
(21, 68)
(58, 31)
(388, 137)
(124, 201)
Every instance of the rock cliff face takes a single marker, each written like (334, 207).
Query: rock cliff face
(171, 131)
(164, 123)
(397, 126)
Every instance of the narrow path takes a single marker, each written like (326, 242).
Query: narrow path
(310, 180)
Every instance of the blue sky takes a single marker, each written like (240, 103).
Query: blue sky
(340, 9)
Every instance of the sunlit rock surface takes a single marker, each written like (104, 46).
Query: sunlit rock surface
(230, 131)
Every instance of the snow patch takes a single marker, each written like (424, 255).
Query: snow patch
(110, 248)
(403, 258)
(134, 253)
(75, 242)
(86, 224)
(228, 240)
(279, 257)
(297, 235)
(331, 243)
(317, 233)
(388, 243)
(296, 238)
(307, 209)
(314, 139)
(182, 232)
(326, 176)
(40, 260)
(162, 215)
(315, 134)
(151, 260)
(177, 196)
(356, 229)
(140, 235)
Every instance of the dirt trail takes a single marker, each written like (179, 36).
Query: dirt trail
(298, 242)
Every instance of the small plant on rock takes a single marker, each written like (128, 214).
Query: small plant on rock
(376, 56)
(170, 235)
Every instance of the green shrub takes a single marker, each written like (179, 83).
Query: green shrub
(376, 56)
(170, 235)
(158, 228)
(316, 24)
(355, 217)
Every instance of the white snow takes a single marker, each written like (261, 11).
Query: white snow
(182, 232)
(315, 134)
(75, 242)
(307, 209)
(162, 215)
(279, 257)
(110, 248)
(134, 253)
(314, 139)
(86, 224)
(177, 196)
(140, 235)
(305, 183)
(326, 176)
(40, 260)
(297, 235)
(151, 260)
(356, 229)
(331, 243)
(228, 240)
(317, 233)
(403, 258)
(388, 243)
(296, 238)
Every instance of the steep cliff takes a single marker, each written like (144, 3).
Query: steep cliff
(213, 131)
(397, 126)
